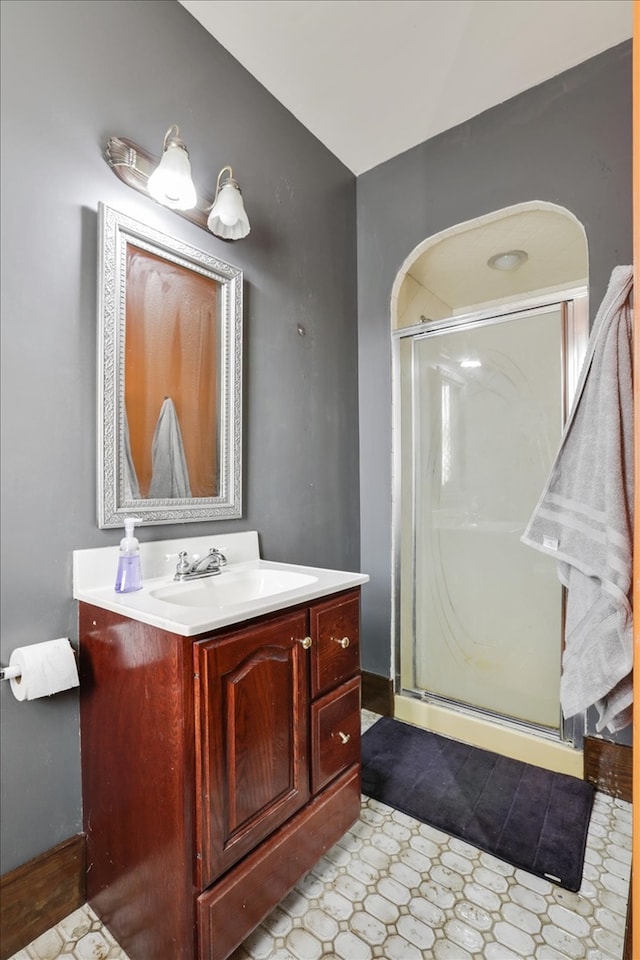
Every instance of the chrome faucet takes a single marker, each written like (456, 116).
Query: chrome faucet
(208, 566)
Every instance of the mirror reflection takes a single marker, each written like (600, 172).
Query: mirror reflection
(170, 379)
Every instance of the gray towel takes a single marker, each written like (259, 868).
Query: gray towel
(170, 476)
(584, 519)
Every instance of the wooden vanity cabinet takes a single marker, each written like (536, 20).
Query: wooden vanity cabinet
(216, 769)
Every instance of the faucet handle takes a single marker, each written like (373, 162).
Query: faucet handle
(183, 565)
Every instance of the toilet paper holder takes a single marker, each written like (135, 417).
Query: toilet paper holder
(42, 669)
(10, 673)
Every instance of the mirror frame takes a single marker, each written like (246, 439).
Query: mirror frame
(115, 230)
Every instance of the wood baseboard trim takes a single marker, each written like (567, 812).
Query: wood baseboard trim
(609, 766)
(377, 694)
(41, 893)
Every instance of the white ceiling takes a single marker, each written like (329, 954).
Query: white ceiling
(372, 78)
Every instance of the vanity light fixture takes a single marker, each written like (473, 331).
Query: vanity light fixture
(510, 260)
(169, 182)
(228, 218)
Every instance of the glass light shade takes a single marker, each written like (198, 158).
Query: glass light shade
(510, 260)
(228, 218)
(170, 183)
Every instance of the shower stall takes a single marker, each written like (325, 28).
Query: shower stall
(479, 405)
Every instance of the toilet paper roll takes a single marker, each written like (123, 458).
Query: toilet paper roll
(45, 668)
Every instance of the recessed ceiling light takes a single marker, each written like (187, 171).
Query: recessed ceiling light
(510, 260)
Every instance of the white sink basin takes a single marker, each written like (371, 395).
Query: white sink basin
(247, 588)
(232, 587)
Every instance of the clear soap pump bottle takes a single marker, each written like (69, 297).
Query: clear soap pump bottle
(129, 575)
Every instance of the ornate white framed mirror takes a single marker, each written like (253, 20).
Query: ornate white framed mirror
(169, 378)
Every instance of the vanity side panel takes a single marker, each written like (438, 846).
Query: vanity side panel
(136, 710)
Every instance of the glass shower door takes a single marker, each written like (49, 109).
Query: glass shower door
(481, 421)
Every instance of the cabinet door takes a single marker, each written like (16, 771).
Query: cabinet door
(253, 705)
(335, 627)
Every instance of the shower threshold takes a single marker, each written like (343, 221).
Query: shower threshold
(507, 739)
(481, 713)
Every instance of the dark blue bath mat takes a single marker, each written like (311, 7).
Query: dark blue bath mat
(531, 818)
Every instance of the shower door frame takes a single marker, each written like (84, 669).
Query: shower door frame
(574, 306)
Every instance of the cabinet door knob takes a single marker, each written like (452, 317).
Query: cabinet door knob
(344, 642)
(306, 642)
(344, 737)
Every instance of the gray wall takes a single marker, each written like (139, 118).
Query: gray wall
(74, 74)
(567, 141)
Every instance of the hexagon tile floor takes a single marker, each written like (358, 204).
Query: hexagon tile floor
(396, 889)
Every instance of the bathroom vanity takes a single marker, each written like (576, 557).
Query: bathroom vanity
(218, 764)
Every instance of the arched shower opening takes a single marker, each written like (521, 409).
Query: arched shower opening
(489, 327)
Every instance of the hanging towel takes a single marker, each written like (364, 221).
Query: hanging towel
(170, 476)
(584, 518)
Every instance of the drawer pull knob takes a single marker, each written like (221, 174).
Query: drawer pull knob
(344, 737)
(344, 642)
(306, 642)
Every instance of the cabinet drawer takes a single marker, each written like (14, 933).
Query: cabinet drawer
(335, 733)
(335, 654)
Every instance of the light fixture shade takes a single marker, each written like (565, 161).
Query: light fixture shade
(509, 260)
(228, 218)
(170, 183)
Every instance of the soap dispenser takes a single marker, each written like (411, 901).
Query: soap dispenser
(129, 575)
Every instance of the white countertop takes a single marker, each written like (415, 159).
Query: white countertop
(94, 574)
